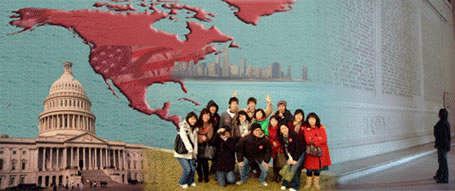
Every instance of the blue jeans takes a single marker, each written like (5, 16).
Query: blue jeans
(295, 182)
(245, 169)
(188, 171)
(222, 177)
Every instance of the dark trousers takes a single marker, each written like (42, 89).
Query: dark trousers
(443, 170)
(203, 169)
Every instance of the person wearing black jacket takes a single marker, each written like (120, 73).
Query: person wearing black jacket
(215, 119)
(255, 148)
(442, 143)
(293, 149)
(283, 114)
(225, 149)
(214, 116)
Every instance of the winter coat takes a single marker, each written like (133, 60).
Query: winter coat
(205, 131)
(273, 138)
(227, 120)
(185, 132)
(264, 126)
(215, 118)
(291, 145)
(225, 154)
(237, 129)
(441, 133)
(254, 148)
(301, 131)
(318, 137)
(287, 117)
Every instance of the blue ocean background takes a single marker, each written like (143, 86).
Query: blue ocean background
(31, 61)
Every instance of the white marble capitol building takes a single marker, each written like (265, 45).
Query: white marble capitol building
(67, 149)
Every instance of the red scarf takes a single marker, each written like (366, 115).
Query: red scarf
(273, 132)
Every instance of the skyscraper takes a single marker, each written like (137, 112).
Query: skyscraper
(305, 72)
(288, 75)
(243, 68)
(250, 71)
(212, 69)
(235, 71)
(218, 59)
(276, 70)
(226, 67)
(217, 65)
(204, 68)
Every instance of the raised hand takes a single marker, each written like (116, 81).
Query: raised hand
(234, 94)
(268, 98)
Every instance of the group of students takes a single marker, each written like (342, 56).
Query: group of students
(253, 138)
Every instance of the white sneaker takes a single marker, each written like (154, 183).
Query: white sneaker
(185, 186)
(194, 184)
(239, 182)
(292, 189)
(283, 187)
(264, 183)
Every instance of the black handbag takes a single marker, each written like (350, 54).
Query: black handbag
(206, 151)
(179, 146)
(313, 150)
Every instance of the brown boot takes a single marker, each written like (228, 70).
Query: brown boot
(308, 182)
(316, 183)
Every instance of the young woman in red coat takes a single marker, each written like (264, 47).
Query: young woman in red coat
(276, 147)
(315, 134)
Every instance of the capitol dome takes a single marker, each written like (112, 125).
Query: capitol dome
(66, 83)
(67, 109)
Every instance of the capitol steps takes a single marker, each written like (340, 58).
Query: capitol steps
(96, 175)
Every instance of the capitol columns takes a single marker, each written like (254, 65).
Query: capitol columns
(51, 159)
(71, 157)
(101, 159)
(105, 158)
(65, 155)
(90, 158)
(58, 122)
(36, 159)
(84, 163)
(78, 158)
(124, 159)
(58, 158)
(44, 159)
(73, 123)
(115, 161)
(96, 158)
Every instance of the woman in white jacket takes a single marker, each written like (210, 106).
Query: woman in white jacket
(188, 134)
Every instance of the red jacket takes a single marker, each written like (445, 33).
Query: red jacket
(273, 137)
(319, 139)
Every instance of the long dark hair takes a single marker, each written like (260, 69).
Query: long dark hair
(241, 112)
(274, 117)
(299, 111)
(259, 110)
(278, 125)
(188, 116)
(318, 121)
(280, 135)
(200, 122)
